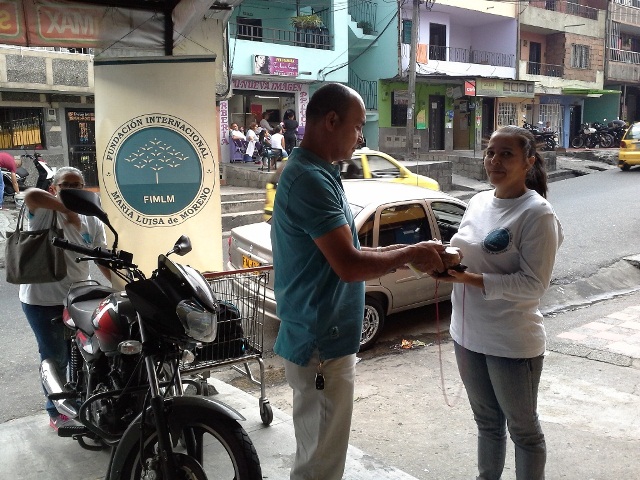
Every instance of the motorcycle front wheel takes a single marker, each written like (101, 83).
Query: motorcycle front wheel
(203, 448)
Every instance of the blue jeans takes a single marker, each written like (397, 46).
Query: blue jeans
(1, 192)
(50, 339)
(503, 392)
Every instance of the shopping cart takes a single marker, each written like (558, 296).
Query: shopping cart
(240, 330)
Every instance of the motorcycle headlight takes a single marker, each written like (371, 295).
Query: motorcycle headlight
(198, 323)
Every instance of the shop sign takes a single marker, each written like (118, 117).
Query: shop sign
(504, 88)
(266, 65)
(273, 86)
(470, 88)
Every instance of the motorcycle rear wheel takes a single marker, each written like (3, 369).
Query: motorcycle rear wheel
(220, 449)
(577, 142)
(606, 140)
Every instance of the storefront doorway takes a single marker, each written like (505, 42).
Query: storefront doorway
(81, 139)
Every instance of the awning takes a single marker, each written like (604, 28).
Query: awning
(588, 91)
(147, 24)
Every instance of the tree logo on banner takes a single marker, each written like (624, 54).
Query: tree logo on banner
(153, 170)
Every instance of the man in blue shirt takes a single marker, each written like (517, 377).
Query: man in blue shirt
(320, 270)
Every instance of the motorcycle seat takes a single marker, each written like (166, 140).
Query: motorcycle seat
(82, 313)
(88, 291)
(82, 300)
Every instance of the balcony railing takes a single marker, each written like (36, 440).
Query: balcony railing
(626, 56)
(310, 38)
(368, 90)
(463, 55)
(545, 69)
(563, 6)
(363, 12)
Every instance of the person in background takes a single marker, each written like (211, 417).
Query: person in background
(319, 272)
(7, 161)
(252, 140)
(264, 123)
(42, 302)
(547, 127)
(290, 128)
(277, 143)
(235, 133)
(509, 237)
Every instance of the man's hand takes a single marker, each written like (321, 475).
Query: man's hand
(428, 257)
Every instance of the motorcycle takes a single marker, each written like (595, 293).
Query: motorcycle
(587, 137)
(617, 129)
(604, 137)
(547, 140)
(45, 174)
(124, 382)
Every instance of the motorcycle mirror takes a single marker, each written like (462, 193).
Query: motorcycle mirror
(181, 247)
(86, 203)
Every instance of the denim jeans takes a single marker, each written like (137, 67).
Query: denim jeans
(1, 193)
(50, 339)
(503, 393)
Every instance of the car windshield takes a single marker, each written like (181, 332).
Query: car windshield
(634, 132)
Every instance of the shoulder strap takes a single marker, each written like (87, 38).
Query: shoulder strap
(21, 215)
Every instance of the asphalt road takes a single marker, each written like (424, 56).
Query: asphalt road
(599, 215)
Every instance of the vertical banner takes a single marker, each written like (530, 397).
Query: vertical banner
(156, 141)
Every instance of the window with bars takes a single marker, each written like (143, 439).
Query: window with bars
(507, 114)
(553, 114)
(579, 56)
(21, 127)
(406, 31)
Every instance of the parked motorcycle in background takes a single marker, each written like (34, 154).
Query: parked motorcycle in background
(592, 136)
(548, 140)
(45, 173)
(125, 386)
(617, 129)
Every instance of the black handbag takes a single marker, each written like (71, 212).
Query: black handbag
(30, 257)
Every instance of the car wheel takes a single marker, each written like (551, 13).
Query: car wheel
(372, 323)
(625, 167)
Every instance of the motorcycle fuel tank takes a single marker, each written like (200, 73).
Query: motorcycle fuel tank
(111, 321)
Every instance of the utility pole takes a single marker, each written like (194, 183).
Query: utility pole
(412, 79)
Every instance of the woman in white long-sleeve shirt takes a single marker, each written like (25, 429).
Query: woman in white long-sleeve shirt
(509, 237)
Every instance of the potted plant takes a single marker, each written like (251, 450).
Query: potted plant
(306, 21)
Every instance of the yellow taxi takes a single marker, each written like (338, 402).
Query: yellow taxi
(364, 164)
(629, 154)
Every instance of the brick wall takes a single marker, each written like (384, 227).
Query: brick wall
(596, 58)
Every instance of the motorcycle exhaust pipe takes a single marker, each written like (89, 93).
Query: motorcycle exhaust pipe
(53, 385)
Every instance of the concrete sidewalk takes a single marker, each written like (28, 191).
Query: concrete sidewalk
(31, 449)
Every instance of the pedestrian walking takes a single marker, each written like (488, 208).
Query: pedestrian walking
(509, 237)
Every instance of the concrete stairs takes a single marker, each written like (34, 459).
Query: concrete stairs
(240, 206)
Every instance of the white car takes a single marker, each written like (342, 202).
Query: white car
(385, 214)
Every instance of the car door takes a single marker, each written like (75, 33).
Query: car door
(405, 223)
